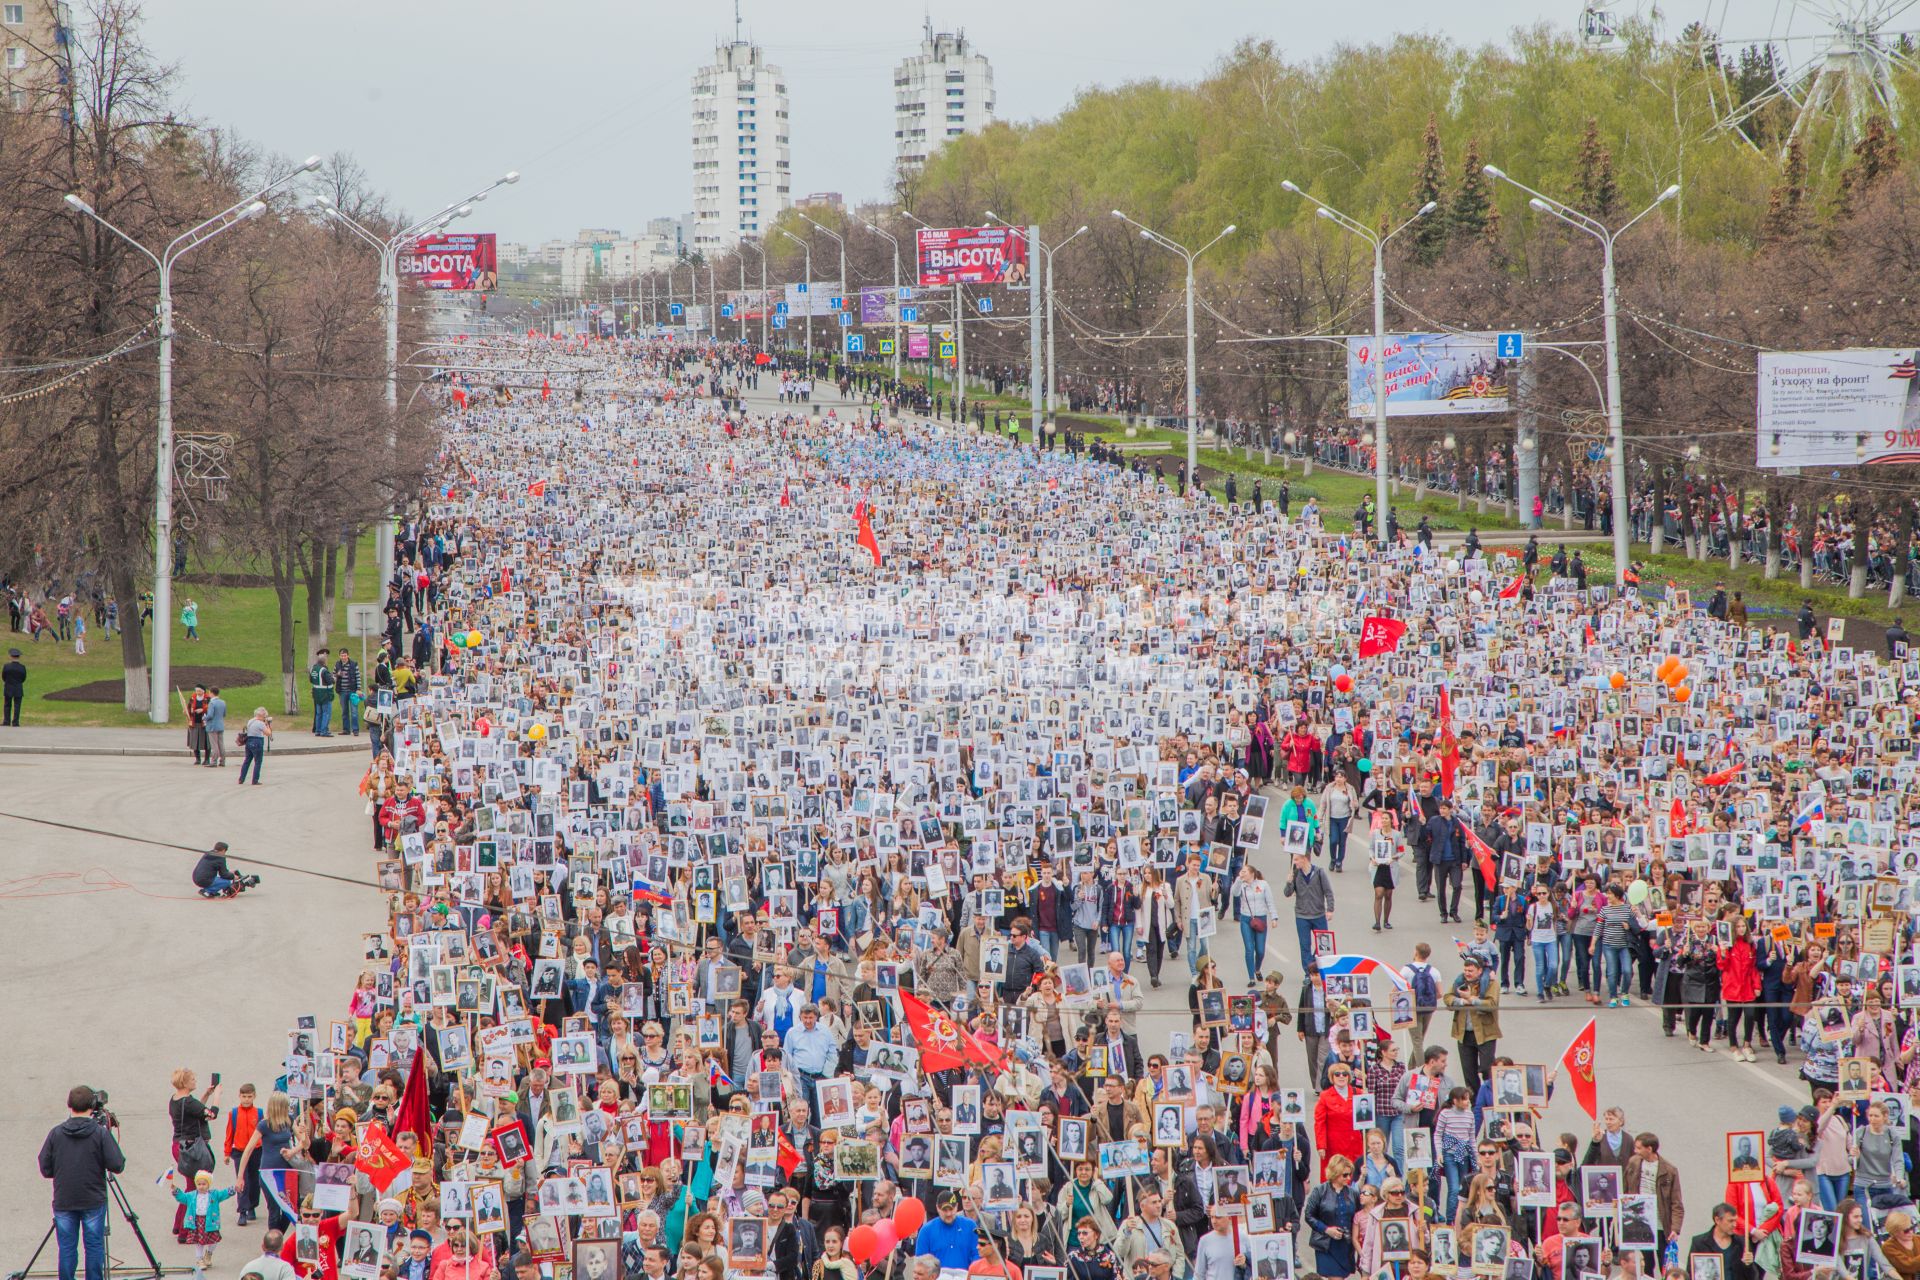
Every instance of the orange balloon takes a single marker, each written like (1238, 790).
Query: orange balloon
(1681, 693)
(1666, 667)
(1618, 680)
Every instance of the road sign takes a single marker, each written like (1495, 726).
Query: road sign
(909, 314)
(1509, 346)
(1596, 451)
(834, 302)
(779, 308)
(856, 344)
(905, 293)
(364, 620)
(985, 305)
(846, 319)
(674, 309)
(779, 322)
(801, 287)
(946, 351)
(726, 311)
(886, 346)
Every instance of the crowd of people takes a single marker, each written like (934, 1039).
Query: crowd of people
(792, 811)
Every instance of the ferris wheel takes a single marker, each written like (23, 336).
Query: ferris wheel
(1829, 64)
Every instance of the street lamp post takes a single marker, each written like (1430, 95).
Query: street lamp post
(806, 249)
(389, 251)
(1379, 243)
(161, 679)
(837, 239)
(1193, 383)
(1610, 300)
(894, 241)
(766, 303)
(1053, 397)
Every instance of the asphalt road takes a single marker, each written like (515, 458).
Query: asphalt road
(117, 973)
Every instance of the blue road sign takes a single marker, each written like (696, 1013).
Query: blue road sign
(886, 346)
(1509, 346)
(834, 302)
(779, 322)
(846, 319)
(1596, 451)
(909, 314)
(905, 293)
(726, 311)
(985, 304)
(801, 288)
(856, 343)
(779, 308)
(674, 309)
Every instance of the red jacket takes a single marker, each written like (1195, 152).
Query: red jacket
(1333, 1131)
(1300, 751)
(1739, 975)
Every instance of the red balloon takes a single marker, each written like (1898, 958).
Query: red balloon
(1343, 682)
(861, 1242)
(908, 1217)
(884, 1238)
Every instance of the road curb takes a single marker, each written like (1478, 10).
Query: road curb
(19, 749)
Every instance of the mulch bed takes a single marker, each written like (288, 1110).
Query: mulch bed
(115, 691)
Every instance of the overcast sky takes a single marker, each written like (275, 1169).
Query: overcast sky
(589, 98)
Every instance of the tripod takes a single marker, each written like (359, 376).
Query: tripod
(106, 1236)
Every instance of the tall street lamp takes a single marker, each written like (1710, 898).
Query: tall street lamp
(1610, 301)
(161, 680)
(389, 248)
(806, 249)
(895, 242)
(766, 303)
(959, 334)
(1193, 383)
(1379, 243)
(837, 239)
(1053, 396)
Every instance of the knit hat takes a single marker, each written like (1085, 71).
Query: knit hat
(1787, 1114)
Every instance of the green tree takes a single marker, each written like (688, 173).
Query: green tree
(1430, 183)
(1786, 217)
(1874, 156)
(1599, 193)
(1472, 212)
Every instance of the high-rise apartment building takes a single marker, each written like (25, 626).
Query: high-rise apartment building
(941, 92)
(34, 55)
(742, 166)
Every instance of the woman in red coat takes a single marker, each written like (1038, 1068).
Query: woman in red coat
(1740, 988)
(1333, 1131)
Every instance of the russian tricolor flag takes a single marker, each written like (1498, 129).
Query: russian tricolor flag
(716, 1077)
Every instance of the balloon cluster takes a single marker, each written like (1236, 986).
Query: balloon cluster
(1672, 672)
(867, 1242)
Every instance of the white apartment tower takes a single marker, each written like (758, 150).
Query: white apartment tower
(742, 166)
(941, 92)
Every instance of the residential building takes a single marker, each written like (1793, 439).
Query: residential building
(942, 92)
(742, 166)
(35, 57)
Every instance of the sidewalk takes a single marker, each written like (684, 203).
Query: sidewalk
(161, 740)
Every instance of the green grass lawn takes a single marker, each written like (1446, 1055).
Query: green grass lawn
(239, 627)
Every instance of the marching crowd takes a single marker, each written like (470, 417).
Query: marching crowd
(789, 815)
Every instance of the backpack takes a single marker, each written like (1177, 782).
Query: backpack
(1426, 992)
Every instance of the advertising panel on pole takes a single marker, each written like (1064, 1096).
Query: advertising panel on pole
(1431, 373)
(919, 344)
(802, 301)
(1838, 408)
(971, 255)
(878, 306)
(453, 260)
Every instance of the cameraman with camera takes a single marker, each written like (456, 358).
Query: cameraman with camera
(78, 1155)
(215, 879)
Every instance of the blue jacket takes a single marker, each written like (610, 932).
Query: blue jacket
(957, 1245)
(192, 1221)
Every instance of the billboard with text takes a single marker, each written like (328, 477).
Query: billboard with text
(453, 260)
(971, 255)
(1431, 373)
(1838, 408)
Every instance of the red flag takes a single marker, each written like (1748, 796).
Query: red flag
(412, 1115)
(1482, 855)
(867, 539)
(1578, 1061)
(460, 397)
(1449, 745)
(1721, 778)
(786, 499)
(1380, 634)
(788, 1159)
(944, 1044)
(1677, 823)
(1512, 590)
(538, 488)
(1589, 633)
(546, 388)
(1631, 578)
(382, 1162)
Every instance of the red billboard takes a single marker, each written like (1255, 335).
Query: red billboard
(455, 260)
(972, 255)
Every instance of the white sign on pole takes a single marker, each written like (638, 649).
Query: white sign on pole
(363, 620)
(1838, 408)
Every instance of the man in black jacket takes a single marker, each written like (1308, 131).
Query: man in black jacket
(78, 1155)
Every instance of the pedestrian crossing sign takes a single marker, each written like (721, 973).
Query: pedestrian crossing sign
(946, 351)
(886, 346)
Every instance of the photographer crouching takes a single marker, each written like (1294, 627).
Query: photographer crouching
(78, 1155)
(215, 879)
